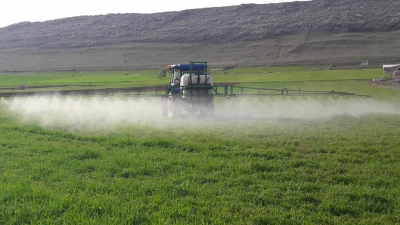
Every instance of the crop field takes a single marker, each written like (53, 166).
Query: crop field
(261, 160)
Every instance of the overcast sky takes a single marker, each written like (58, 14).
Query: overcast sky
(15, 11)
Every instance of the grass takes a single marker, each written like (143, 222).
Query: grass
(294, 78)
(351, 86)
(294, 74)
(344, 170)
(306, 79)
(340, 171)
(149, 77)
(95, 79)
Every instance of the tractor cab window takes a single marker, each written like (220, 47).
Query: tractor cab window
(177, 74)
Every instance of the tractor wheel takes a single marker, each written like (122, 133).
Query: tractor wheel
(164, 106)
(173, 108)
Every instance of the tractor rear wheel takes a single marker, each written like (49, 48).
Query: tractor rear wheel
(164, 106)
(173, 108)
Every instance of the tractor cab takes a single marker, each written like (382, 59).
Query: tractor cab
(178, 70)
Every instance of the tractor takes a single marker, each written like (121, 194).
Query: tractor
(190, 91)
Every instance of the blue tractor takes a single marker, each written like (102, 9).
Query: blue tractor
(190, 91)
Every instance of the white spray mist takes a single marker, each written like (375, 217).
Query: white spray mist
(99, 112)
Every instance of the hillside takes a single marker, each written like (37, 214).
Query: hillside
(287, 28)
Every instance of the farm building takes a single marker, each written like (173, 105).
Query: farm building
(394, 69)
(365, 63)
(396, 75)
(391, 67)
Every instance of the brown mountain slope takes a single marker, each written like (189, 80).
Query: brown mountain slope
(337, 49)
(298, 32)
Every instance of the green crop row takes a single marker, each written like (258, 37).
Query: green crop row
(342, 169)
(150, 77)
(339, 171)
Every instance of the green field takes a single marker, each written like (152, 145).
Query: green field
(143, 78)
(280, 169)
(294, 78)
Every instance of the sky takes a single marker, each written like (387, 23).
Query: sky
(15, 11)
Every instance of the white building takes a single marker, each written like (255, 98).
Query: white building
(365, 63)
(396, 75)
(391, 67)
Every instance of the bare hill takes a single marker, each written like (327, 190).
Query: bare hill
(262, 33)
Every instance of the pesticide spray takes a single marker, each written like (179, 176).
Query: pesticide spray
(74, 113)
